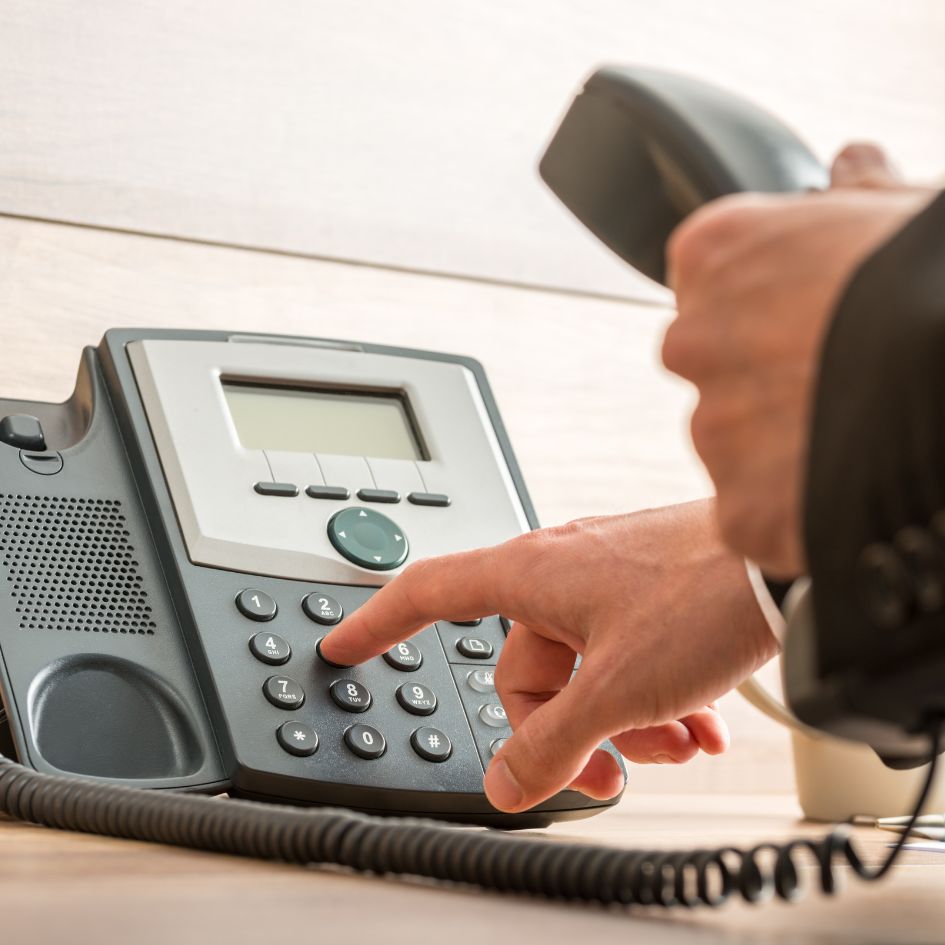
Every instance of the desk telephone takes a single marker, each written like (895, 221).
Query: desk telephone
(176, 537)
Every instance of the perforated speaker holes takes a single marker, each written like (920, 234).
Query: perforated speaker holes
(70, 565)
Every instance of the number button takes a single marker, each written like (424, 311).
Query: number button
(482, 680)
(365, 741)
(497, 746)
(431, 743)
(297, 738)
(270, 648)
(257, 605)
(318, 650)
(494, 715)
(284, 692)
(473, 648)
(322, 609)
(350, 696)
(405, 657)
(417, 699)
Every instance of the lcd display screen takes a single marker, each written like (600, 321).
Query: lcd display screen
(298, 420)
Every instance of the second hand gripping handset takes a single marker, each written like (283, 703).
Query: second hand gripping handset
(179, 535)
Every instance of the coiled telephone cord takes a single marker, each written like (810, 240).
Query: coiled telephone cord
(398, 846)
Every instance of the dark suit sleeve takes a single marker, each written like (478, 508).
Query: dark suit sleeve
(875, 492)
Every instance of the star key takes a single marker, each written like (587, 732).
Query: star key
(297, 739)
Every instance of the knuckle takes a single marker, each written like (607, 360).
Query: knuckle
(679, 352)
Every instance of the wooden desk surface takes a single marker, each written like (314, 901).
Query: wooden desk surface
(58, 887)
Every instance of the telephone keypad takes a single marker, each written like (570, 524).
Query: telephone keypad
(255, 604)
(270, 648)
(417, 699)
(365, 741)
(297, 738)
(441, 684)
(284, 692)
(431, 744)
(350, 695)
(405, 657)
(322, 609)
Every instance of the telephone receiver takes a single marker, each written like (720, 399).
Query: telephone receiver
(640, 149)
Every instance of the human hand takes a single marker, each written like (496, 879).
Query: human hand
(757, 279)
(662, 614)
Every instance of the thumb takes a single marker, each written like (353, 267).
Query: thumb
(547, 751)
(862, 164)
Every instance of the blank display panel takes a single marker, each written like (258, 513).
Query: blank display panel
(351, 423)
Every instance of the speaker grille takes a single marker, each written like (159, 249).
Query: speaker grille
(70, 565)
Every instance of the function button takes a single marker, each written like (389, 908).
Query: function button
(417, 699)
(467, 623)
(297, 738)
(328, 492)
(284, 692)
(429, 498)
(431, 743)
(43, 464)
(474, 648)
(324, 659)
(494, 715)
(270, 649)
(482, 680)
(322, 609)
(405, 657)
(287, 489)
(257, 605)
(365, 741)
(368, 538)
(378, 495)
(350, 696)
(22, 431)
(497, 746)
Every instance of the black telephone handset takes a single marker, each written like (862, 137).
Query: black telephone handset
(640, 149)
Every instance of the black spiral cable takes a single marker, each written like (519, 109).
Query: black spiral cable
(399, 846)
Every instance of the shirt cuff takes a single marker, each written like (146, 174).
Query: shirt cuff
(769, 608)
